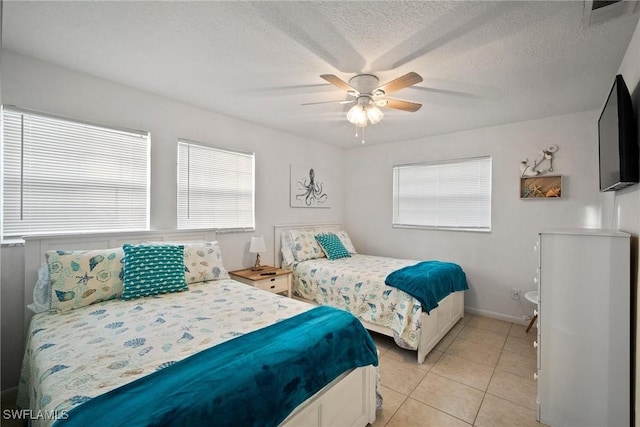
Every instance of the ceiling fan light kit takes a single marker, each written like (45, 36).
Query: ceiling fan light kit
(357, 115)
(364, 112)
(369, 96)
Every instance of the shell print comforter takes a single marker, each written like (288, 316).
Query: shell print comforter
(357, 284)
(73, 357)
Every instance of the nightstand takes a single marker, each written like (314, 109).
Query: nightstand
(268, 278)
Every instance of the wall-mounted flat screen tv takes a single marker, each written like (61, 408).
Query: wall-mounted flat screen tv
(618, 143)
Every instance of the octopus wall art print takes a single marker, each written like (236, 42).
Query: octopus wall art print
(309, 187)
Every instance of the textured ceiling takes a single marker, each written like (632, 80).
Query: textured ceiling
(483, 63)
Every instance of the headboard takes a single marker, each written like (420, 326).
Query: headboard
(278, 229)
(36, 246)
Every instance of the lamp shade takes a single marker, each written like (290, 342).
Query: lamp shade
(357, 115)
(257, 244)
(374, 114)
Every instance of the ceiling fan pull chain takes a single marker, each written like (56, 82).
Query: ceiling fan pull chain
(363, 135)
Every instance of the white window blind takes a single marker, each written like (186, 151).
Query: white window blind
(63, 176)
(449, 195)
(215, 188)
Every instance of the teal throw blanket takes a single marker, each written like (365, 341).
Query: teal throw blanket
(429, 281)
(256, 379)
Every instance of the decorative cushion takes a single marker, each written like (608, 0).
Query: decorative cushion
(332, 246)
(152, 270)
(286, 243)
(81, 278)
(346, 241)
(203, 262)
(41, 291)
(305, 245)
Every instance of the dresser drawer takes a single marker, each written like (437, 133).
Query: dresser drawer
(273, 284)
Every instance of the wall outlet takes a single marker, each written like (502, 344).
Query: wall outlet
(515, 294)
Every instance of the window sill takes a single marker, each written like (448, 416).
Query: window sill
(425, 227)
(12, 243)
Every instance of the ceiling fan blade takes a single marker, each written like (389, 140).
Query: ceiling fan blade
(408, 79)
(338, 82)
(403, 105)
(330, 102)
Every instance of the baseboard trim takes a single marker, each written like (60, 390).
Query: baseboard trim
(494, 315)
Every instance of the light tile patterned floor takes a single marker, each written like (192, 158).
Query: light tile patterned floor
(480, 374)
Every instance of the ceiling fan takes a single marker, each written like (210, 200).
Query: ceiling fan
(369, 95)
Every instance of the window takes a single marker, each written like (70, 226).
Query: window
(215, 188)
(64, 176)
(445, 195)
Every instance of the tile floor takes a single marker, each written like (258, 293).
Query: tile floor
(480, 374)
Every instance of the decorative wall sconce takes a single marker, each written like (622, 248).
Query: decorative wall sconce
(533, 183)
(538, 168)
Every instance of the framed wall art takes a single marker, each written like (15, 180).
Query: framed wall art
(311, 187)
(541, 187)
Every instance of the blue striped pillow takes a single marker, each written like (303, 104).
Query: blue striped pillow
(332, 246)
(152, 270)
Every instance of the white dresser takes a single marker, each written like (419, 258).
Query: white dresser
(584, 334)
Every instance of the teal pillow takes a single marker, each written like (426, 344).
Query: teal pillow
(332, 246)
(153, 270)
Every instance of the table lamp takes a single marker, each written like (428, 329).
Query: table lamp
(257, 246)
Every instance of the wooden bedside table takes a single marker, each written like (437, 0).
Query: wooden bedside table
(268, 278)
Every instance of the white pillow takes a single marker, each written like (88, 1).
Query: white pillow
(286, 245)
(41, 291)
(202, 260)
(305, 245)
(346, 241)
(100, 272)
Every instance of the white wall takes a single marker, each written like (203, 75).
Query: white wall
(36, 85)
(627, 202)
(501, 260)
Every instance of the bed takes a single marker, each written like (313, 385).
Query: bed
(357, 284)
(191, 353)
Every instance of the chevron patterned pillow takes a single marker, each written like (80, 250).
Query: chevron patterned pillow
(152, 270)
(332, 246)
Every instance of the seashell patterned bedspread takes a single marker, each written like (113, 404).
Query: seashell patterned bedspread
(73, 357)
(356, 284)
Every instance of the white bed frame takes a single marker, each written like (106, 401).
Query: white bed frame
(434, 325)
(349, 400)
